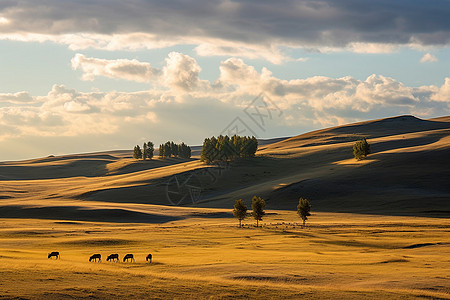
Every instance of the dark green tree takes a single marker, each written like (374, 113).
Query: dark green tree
(240, 211)
(144, 151)
(150, 150)
(137, 152)
(258, 205)
(167, 150)
(174, 149)
(161, 151)
(177, 150)
(361, 149)
(224, 148)
(184, 151)
(303, 209)
(206, 151)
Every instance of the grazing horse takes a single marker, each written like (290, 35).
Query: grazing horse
(95, 257)
(149, 258)
(55, 254)
(113, 257)
(128, 256)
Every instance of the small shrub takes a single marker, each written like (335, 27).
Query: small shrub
(361, 149)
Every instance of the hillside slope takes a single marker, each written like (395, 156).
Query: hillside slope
(407, 173)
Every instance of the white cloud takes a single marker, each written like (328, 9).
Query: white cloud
(181, 72)
(185, 107)
(74, 106)
(372, 48)
(235, 72)
(119, 68)
(233, 49)
(428, 58)
(443, 93)
(17, 98)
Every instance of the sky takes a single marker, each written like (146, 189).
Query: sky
(84, 76)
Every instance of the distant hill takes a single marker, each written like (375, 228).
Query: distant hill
(407, 173)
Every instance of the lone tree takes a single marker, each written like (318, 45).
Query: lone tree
(361, 149)
(137, 153)
(240, 211)
(303, 209)
(258, 205)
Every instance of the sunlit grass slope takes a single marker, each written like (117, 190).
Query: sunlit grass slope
(338, 256)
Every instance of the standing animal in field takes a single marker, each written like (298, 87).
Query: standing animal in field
(55, 254)
(149, 258)
(95, 257)
(128, 257)
(113, 257)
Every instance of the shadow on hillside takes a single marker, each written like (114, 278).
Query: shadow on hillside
(75, 213)
(76, 168)
(390, 126)
(414, 183)
(81, 165)
(150, 193)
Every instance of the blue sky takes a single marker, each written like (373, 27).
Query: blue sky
(78, 76)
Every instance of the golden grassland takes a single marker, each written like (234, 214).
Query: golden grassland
(338, 256)
(107, 203)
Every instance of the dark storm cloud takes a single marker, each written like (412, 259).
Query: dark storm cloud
(297, 23)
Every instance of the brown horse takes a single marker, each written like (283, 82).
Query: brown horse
(55, 254)
(113, 257)
(149, 258)
(95, 257)
(128, 257)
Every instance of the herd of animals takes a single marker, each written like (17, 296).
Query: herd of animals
(98, 257)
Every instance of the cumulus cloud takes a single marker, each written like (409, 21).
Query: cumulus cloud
(248, 29)
(119, 68)
(443, 93)
(181, 72)
(17, 98)
(428, 58)
(186, 107)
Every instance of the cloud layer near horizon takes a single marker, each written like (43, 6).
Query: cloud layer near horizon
(179, 99)
(232, 28)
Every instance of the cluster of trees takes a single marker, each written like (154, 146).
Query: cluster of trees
(361, 149)
(176, 150)
(258, 206)
(224, 148)
(144, 153)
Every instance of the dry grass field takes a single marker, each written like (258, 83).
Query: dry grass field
(380, 227)
(338, 256)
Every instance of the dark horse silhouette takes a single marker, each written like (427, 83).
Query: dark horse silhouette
(128, 256)
(55, 254)
(113, 257)
(149, 258)
(95, 257)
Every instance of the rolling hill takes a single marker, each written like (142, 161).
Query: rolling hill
(406, 174)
